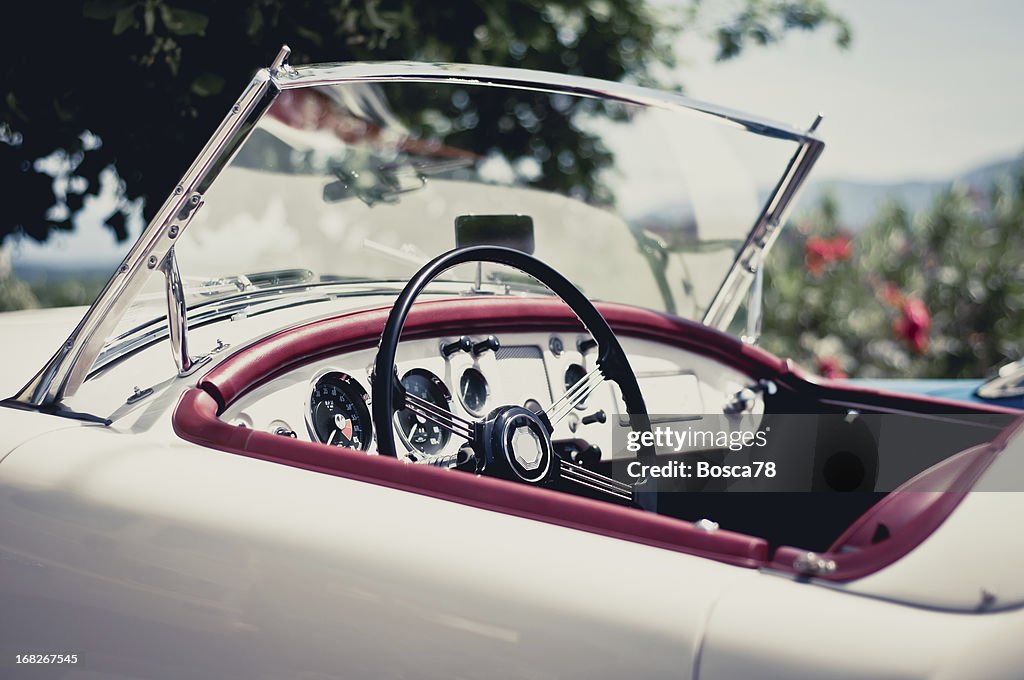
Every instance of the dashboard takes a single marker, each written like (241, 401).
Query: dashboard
(328, 400)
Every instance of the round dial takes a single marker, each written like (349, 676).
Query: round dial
(573, 374)
(338, 412)
(473, 390)
(419, 433)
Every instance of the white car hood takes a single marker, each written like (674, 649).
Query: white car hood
(30, 338)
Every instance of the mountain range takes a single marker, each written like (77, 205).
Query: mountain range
(859, 201)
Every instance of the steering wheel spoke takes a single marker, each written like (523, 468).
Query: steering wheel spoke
(575, 395)
(457, 425)
(595, 481)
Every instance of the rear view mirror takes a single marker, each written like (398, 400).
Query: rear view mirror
(510, 231)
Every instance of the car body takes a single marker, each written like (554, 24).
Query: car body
(194, 515)
(1005, 389)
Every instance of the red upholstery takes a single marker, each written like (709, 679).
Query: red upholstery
(357, 330)
(910, 514)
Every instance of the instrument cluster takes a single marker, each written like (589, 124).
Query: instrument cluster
(465, 378)
(338, 411)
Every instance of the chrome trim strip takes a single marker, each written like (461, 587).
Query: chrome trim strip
(177, 318)
(317, 75)
(64, 373)
(766, 230)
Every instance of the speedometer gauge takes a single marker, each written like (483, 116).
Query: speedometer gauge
(338, 414)
(417, 432)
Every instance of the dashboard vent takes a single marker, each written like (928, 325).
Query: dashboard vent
(531, 352)
(518, 352)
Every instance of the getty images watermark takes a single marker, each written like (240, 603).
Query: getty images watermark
(664, 438)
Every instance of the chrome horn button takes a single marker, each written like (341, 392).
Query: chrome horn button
(527, 448)
(521, 444)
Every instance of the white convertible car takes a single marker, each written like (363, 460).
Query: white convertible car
(425, 371)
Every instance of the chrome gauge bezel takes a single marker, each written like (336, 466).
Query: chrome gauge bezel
(478, 412)
(444, 391)
(359, 390)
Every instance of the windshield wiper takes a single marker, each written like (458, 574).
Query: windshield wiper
(242, 282)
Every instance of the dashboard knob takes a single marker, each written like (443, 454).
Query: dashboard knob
(586, 345)
(488, 343)
(463, 344)
(595, 417)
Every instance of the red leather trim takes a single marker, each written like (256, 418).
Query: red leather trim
(293, 347)
(912, 512)
(195, 419)
(901, 511)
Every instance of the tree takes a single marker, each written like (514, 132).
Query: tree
(128, 90)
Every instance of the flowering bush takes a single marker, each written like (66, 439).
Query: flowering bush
(937, 294)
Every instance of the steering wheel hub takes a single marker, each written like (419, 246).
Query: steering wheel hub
(520, 444)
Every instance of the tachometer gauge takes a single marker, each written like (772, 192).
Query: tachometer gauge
(473, 391)
(338, 413)
(417, 432)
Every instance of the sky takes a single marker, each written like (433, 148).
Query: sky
(928, 89)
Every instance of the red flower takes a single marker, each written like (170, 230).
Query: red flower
(820, 252)
(829, 367)
(913, 325)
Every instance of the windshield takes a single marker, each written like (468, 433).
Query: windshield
(365, 182)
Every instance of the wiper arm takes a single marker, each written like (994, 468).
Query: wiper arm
(237, 283)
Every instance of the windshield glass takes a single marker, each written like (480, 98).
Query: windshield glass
(368, 181)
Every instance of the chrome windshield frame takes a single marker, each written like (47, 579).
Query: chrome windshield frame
(67, 369)
(65, 372)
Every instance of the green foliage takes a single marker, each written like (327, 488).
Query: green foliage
(939, 294)
(763, 22)
(55, 288)
(151, 79)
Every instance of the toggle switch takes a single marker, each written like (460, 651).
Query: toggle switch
(488, 343)
(463, 344)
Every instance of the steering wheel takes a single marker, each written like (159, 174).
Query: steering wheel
(512, 442)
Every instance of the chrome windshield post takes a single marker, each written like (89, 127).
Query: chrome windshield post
(755, 300)
(177, 318)
(751, 257)
(67, 370)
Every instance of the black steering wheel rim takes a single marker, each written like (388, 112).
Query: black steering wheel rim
(611, 358)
